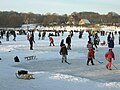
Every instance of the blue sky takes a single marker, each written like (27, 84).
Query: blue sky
(60, 6)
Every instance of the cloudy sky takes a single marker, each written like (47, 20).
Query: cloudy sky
(60, 6)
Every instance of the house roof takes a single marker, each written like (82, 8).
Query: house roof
(84, 21)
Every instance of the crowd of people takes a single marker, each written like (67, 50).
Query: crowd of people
(65, 44)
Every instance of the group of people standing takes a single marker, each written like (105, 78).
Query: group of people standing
(8, 33)
(93, 41)
(109, 56)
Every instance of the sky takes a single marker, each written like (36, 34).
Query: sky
(60, 6)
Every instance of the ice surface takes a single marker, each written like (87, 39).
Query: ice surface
(50, 73)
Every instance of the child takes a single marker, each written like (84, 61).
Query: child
(90, 56)
(89, 45)
(16, 59)
(51, 41)
(64, 53)
(109, 55)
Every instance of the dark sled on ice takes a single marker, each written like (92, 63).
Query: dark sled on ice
(22, 74)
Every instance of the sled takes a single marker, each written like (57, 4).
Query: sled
(22, 74)
(30, 57)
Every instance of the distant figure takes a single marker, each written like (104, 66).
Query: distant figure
(111, 43)
(109, 56)
(96, 40)
(64, 53)
(68, 41)
(71, 33)
(43, 35)
(14, 35)
(119, 37)
(108, 37)
(62, 32)
(7, 36)
(31, 40)
(80, 34)
(51, 41)
(113, 37)
(16, 59)
(39, 35)
(89, 35)
(62, 43)
(2, 34)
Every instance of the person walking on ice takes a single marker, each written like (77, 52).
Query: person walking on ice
(90, 56)
(64, 53)
(51, 41)
(109, 56)
(62, 42)
(68, 41)
(31, 40)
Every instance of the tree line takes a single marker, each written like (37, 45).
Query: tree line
(15, 19)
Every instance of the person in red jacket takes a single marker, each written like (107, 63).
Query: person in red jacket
(90, 56)
(109, 56)
(51, 41)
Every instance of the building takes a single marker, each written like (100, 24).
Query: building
(84, 22)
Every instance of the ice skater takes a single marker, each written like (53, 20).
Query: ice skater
(109, 56)
(90, 56)
(64, 53)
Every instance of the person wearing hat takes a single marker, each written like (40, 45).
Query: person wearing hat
(62, 42)
(109, 56)
(64, 53)
(89, 45)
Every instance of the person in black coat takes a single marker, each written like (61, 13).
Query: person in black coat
(16, 59)
(108, 38)
(7, 36)
(68, 41)
(14, 35)
(64, 53)
(62, 42)
(111, 43)
(39, 35)
(31, 40)
(119, 37)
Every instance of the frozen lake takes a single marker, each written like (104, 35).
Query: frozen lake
(48, 64)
